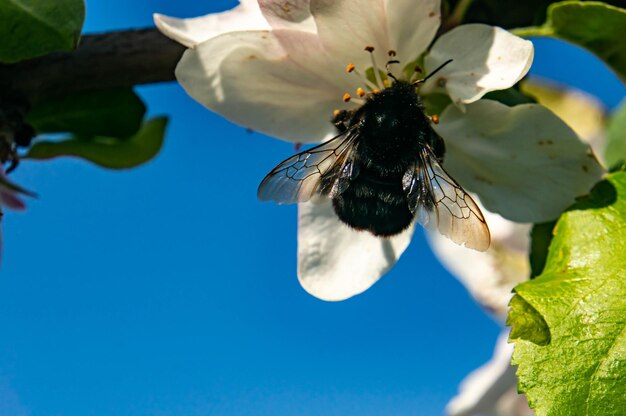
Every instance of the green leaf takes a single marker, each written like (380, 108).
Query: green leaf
(113, 113)
(108, 152)
(505, 13)
(31, 28)
(616, 137)
(527, 323)
(581, 296)
(511, 97)
(596, 26)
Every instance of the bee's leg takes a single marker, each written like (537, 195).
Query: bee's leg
(438, 146)
(341, 118)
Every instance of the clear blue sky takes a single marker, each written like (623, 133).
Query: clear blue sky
(169, 290)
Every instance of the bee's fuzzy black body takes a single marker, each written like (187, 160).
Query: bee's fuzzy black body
(382, 170)
(392, 130)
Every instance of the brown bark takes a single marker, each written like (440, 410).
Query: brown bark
(114, 59)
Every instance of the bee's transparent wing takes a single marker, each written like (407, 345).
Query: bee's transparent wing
(323, 170)
(439, 202)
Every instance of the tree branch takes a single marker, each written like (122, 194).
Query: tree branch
(114, 59)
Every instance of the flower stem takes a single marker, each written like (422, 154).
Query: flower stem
(107, 60)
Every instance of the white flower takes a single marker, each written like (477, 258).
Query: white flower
(278, 67)
(490, 390)
(490, 276)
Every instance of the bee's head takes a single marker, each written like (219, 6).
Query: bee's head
(381, 85)
(375, 82)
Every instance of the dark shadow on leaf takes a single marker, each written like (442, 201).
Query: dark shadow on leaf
(602, 195)
(540, 238)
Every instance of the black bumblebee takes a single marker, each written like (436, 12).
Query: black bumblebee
(382, 171)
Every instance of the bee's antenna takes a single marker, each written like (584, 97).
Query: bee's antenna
(390, 62)
(387, 65)
(439, 68)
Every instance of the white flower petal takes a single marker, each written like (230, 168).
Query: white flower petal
(490, 275)
(412, 26)
(347, 27)
(190, 32)
(486, 58)
(288, 14)
(523, 162)
(336, 262)
(584, 113)
(280, 83)
(491, 390)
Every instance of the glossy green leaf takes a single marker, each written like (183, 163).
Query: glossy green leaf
(581, 296)
(31, 28)
(112, 113)
(108, 152)
(596, 26)
(527, 323)
(616, 137)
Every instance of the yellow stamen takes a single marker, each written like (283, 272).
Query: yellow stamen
(416, 70)
(370, 85)
(346, 97)
(350, 68)
(435, 118)
(386, 83)
(336, 113)
(360, 92)
(376, 91)
(379, 81)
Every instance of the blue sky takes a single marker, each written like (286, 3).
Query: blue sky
(170, 290)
